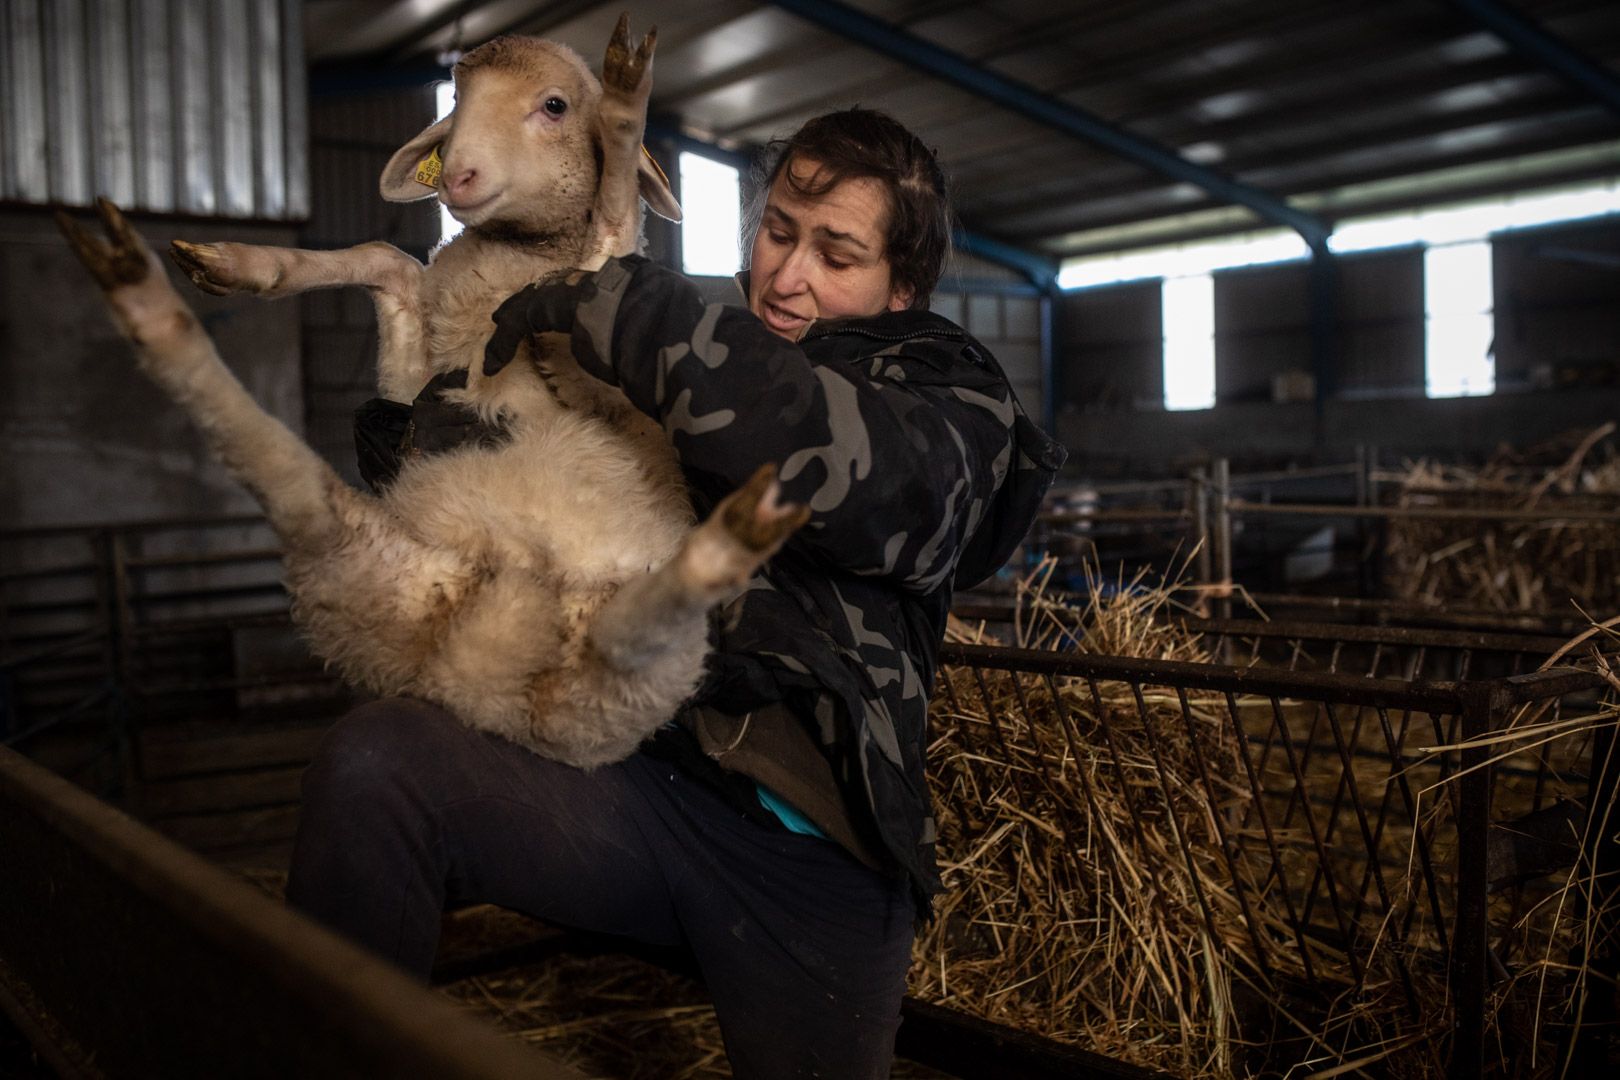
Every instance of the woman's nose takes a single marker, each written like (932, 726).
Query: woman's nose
(793, 274)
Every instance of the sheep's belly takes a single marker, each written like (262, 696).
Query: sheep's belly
(568, 501)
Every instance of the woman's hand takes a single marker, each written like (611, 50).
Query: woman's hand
(547, 306)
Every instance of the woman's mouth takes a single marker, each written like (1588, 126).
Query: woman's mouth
(781, 320)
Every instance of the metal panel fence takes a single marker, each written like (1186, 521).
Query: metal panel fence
(1369, 891)
(168, 106)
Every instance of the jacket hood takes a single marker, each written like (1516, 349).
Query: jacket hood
(1035, 457)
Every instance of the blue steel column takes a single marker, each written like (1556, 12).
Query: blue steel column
(931, 59)
(1052, 389)
(1042, 273)
(1324, 332)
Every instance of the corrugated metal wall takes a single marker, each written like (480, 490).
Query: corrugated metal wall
(168, 106)
(351, 139)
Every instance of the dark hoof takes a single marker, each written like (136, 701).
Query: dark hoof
(121, 262)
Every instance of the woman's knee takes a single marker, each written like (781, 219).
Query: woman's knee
(390, 744)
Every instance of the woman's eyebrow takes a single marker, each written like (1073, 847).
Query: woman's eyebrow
(774, 212)
(841, 237)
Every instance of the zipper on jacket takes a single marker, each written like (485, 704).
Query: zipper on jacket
(875, 336)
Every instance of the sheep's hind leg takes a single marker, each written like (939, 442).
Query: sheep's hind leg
(716, 560)
(369, 595)
(392, 278)
(295, 487)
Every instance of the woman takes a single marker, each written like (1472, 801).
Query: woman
(779, 828)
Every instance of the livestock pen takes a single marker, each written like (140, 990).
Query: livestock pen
(1259, 812)
(1310, 857)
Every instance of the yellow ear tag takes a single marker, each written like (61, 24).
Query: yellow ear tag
(429, 168)
(654, 163)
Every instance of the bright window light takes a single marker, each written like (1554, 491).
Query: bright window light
(711, 216)
(445, 100)
(1460, 324)
(1189, 342)
(1182, 260)
(1432, 226)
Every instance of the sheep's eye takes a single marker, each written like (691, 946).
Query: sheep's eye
(556, 106)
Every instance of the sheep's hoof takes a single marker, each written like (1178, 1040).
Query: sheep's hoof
(755, 515)
(124, 261)
(622, 69)
(202, 263)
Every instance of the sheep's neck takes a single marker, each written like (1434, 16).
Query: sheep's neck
(555, 246)
(468, 279)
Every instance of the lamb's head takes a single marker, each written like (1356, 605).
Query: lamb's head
(520, 154)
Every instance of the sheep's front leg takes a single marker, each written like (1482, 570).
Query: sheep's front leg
(392, 278)
(626, 87)
(295, 487)
(716, 560)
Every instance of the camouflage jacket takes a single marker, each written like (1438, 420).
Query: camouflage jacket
(922, 474)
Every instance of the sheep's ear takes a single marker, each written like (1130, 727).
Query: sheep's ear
(413, 172)
(654, 187)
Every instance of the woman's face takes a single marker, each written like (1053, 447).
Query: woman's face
(821, 257)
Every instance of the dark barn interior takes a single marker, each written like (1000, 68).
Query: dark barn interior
(1282, 744)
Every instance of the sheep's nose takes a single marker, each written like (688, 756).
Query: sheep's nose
(461, 184)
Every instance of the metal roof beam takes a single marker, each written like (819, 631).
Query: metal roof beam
(1552, 52)
(1040, 270)
(909, 49)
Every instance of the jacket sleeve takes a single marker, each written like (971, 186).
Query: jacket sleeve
(898, 473)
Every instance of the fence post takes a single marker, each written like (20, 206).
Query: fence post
(1198, 496)
(1223, 536)
(1469, 942)
(1600, 864)
(121, 631)
(1365, 460)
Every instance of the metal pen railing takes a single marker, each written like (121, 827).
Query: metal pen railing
(1350, 859)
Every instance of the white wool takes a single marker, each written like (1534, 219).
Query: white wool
(552, 588)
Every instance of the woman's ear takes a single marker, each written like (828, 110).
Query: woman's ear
(413, 172)
(900, 297)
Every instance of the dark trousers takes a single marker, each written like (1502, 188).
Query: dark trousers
(803, 949)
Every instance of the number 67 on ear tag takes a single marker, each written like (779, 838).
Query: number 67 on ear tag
(429, 168)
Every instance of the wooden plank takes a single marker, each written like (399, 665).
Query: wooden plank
(180, 751)
(225, 791)
(975, 1049)
(153, 963)
(221, 835)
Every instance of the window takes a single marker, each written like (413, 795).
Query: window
(445, 100)
(1189, 342)
(711, 209)
(1459, 320)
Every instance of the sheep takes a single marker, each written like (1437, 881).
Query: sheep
(551, 587)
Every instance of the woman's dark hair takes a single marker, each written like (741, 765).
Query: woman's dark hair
(866, 143)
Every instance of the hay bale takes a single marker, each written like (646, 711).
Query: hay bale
(1080, 908)
(1540, 566)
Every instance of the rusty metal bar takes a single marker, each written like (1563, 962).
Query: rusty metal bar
(1417, 513)
(143, 525)
(1238, 890)
(1349, 776)
(976, 1049)
(1348, 689)
(141, 959)
(1346, 930)
(1170, 814)
(1469, 978)
(1259, 804)
(1069, 517)
(1538, 644)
